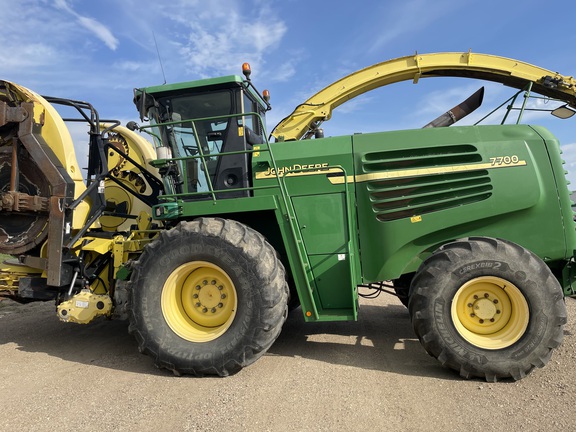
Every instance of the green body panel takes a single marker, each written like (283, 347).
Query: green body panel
(332, 277)
(203, 208)
(201, 85)
(322, 220)
(418, 189)
(450, 183)
(323, 223)
(198, 84)
(562, 185)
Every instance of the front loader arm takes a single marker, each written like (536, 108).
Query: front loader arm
(304, 119)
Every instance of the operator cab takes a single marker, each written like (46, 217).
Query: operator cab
(194, 125)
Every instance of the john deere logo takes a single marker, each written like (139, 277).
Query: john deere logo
(296, 170)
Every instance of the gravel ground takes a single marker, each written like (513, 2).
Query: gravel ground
(367, 375)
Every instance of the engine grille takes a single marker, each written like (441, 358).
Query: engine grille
(412, 191)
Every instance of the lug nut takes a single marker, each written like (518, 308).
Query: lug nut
(198, 304)
(481, 321)
(491, 319)
(195, 296)
(472, 315)
(220, 287)
(198, 287)
(495, 301)
(475, 297)
(213, 282)
(220, 305)
(223, 296)
(213, 310)
(498, 311)
(470, 305)
(486, 295)
(204, 310)
(204, 282)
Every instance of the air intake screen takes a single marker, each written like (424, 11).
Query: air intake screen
(417, 184)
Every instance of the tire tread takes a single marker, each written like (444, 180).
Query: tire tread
(447, 258)
(273, 297)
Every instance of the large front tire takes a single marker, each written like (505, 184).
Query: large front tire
(208, 297)
(487, 308)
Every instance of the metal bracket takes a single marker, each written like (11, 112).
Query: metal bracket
(10, 114)
(21, 202)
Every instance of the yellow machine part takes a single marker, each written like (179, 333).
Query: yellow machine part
(56, 134)
(10, 275)
(507, 71)
(85, 307)
(142, 152)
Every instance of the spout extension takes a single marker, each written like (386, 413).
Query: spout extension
(459, 111)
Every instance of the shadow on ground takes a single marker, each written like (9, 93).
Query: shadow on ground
(382, 339)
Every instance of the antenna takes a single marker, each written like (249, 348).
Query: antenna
(159, 58)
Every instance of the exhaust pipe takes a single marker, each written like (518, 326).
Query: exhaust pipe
(459, 111)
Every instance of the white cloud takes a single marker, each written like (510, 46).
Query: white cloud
(98, 29)
(101, 31)
(400, 18)
(29, 55)
(280, 74)
(355, 104)
(51, 46)
(135, 66)
(224, 34)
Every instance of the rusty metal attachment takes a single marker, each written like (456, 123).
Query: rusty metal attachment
(24, 187)
(24, 201)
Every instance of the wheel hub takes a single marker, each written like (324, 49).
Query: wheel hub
(485, 309)
(199, 301)
(209, 297)
(490, 312)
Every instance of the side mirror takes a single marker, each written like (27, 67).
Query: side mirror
(143, 102)
(133, 126)
(563, 112)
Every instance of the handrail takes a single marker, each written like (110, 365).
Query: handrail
(511, 101)
(211, 191)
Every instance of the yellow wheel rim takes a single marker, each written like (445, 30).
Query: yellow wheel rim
(199, 301)
(490, 312)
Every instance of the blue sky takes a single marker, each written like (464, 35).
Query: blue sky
(99, 51)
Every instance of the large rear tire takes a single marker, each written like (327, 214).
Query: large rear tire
(208, 297)
(487, 308)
